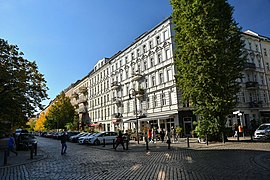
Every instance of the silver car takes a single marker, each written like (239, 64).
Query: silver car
(108, 136)
(263, 131)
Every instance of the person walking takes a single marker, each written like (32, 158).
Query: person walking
(64, 143)
(162, 135)
(11, 145)
(120, 140)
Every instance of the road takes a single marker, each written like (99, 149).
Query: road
(229, 161)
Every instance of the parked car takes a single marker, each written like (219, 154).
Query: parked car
(84, 139)
(263, 131)
(76, 137)
(25, 140)
(98, 138)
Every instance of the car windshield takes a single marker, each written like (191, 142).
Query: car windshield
(263, 127)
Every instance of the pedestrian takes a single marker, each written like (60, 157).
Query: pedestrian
(235, 130)
(150, 135)
(64, 143)
(11, 145)
(162, 135)
(120, 140)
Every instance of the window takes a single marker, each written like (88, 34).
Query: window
(112, 67)
(147, 103)
(158, 40)
(126, 60)
(264, 50)
(159, 56)
(146, 82)
(243, 96)
(138, 52)
(132, 56)
(267, 66)
(168, 54)
(152, 62)
(144, 48)
(166, 35)
(121, 76)
(155, 100)
(145, 64)
(169, 75)
(262, 79)
(259, 63)
(163, 99)
(120, 62)
(153, 80)
(256, 46)
(128, 106)
(161, 78)
(150, 44)
(108, 98)
(126, 73)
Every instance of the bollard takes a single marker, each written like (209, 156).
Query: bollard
(188, 142)
(5, 156)
(113, 143)
(169, 143)
(35, 149)
(206, 139)
(127, 144)
(146, 143)
(31, 151)
(104, 142)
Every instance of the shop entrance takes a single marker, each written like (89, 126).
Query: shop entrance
(187, 125)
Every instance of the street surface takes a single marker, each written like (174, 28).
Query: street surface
(234, 160)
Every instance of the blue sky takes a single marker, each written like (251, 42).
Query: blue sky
(67, 37)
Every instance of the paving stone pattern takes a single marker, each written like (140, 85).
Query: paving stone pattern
(229, 161)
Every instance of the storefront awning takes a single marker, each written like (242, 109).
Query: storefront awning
(150, 118)
(265, 113)
(94, 125)
(116, 121)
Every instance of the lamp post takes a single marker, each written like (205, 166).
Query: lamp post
(133, 92)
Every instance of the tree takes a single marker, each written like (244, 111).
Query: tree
(61, 113)
(209, 59)
(22, 86)
(40, 124)
(31, 123)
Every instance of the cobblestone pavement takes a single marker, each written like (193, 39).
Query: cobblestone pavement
(233, 160)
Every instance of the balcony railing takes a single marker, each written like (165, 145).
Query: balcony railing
(136, 77)
(252, 85)
(115, 85)
(117, 100)
(82, 99)
(250, 66)
(75, 95)
(82, 89)
(255, 104)
(117, 115)
(82, 109)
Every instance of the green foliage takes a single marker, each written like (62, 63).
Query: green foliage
(209, 59)
(22, 87)
(179, 130)
(61, 113)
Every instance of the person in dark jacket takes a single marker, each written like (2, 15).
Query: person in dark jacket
(64, 143)
(120, 140)
(11, 144)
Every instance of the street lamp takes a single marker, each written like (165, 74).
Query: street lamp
(133, 92)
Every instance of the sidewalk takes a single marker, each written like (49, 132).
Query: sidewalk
(22, 158)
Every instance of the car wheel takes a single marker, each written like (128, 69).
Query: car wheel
(97, 142)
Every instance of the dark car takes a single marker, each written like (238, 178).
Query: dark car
(25, 140)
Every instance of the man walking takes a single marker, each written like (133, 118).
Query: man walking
(64, 143)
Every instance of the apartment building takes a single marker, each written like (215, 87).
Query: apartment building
(136, 87)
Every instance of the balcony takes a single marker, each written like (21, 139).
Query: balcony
(82, 109)
(75, 95)
(117, 115)
(252, 85)
(82, 99)
(117, 101)
(250, 66)
(136, 77)
(83, 89)
(115, 85)
(255, 104)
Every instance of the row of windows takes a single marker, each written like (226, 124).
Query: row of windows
(149, 81)
(144, 48)
(156, 100)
